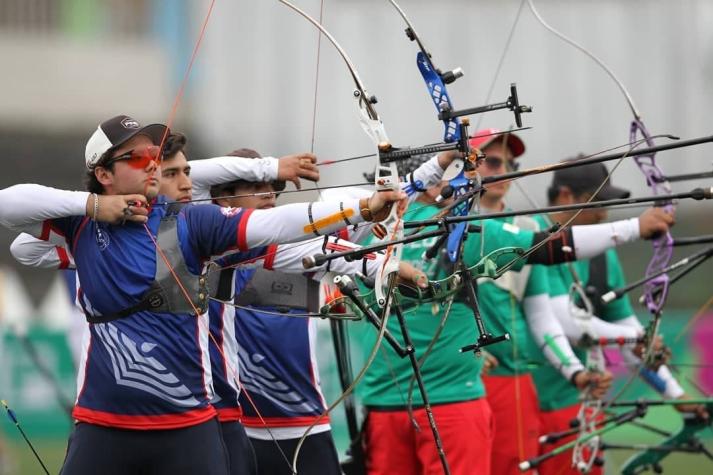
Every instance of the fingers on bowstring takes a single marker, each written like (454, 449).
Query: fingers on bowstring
(137, 201)
(136, 209)
(309, 171)
(308, 158)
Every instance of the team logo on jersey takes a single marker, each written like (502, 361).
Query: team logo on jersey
(230, 212)
(103, 239)
(130, 123)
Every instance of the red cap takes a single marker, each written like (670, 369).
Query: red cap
(485, 137)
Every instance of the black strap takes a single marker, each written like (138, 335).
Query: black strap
(598, 282)
(225, 289)
(152, 299)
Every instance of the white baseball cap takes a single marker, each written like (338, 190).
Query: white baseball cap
(116, 131)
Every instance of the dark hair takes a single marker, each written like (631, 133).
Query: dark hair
(552, 193)
(175, 142)
(216, 191)
(554, 189)
(91, 183)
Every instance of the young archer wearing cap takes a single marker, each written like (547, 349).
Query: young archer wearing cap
(146, 386)
(559, 400)
(515, 303)
(181, 180)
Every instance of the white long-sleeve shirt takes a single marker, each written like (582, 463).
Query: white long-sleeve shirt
(214, 171)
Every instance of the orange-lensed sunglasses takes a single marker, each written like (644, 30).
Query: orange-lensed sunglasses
(138, 158)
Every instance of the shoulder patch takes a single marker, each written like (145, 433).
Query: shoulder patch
(230, 212)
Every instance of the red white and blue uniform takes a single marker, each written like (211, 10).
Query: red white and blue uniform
(152, 370)
(278, 368)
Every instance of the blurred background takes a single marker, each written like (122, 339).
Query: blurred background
(259, 82)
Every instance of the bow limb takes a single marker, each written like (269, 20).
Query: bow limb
(455, 131)
(655, 292)
(574, 44)
(386, 178)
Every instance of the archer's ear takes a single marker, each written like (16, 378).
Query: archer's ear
(104, 176)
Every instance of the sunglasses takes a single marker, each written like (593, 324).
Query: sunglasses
(138, 158)
(495, 163)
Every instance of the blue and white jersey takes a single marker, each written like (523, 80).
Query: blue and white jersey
(278, 367)
(149, 370)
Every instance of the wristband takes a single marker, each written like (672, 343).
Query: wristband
(574, 376)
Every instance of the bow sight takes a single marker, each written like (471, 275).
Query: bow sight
(389, 153)
(512, 103)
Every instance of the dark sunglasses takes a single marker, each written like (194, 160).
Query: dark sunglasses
(496, 162)
(138, 158)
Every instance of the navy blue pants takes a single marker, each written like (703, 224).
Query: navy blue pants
(240, 450)
(318, 456)
(191, 450)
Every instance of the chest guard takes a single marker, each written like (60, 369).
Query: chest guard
(598, 284)
(165, 295)
(283, 291)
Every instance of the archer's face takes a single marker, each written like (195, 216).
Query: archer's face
(124, 178)
(263, 201)
(497, 161)
(176, 181)
(589, 216)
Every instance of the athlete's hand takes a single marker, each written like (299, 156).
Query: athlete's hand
(118, 208)
(489, 362)
(293, 167)
(654, 222)
(698, 409)
(446, 158)
(661, 353)
(410, 275)
(380, 203)
(598, 383)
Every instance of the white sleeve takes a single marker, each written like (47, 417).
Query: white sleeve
(25, 207)
(288, 258)
(428, 174)
(299, 222)
(662, 380)
(33, 252)
(214, 171)
(549, 335)
(592, 239)
(601, 328)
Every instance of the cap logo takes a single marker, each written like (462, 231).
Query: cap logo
(130, 123)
